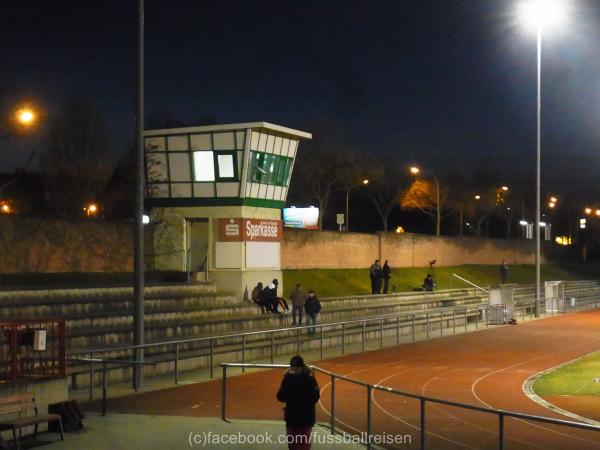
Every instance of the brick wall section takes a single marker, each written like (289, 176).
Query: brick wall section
(49, 245)
(304, 249)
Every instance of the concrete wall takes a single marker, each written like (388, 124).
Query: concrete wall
(304, 249)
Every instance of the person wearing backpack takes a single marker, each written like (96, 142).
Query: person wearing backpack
(312, 307)
(300, 392)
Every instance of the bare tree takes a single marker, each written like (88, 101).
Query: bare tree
(320, 167)
(76, 162)
(384, 190)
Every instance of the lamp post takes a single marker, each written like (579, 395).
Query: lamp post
(364, 182)
(539, 14)
(416, 171)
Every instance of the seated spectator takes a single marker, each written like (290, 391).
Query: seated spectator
(269, 298)
(428, 283)
(257, 297)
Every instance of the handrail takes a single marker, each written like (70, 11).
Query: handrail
(104, 362)
(276, 330)
(501, 413)
(472, 284)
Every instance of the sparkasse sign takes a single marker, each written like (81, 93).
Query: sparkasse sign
(255, 230)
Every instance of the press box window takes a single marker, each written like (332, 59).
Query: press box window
(270, 169)
(204, 168)
(226, 166)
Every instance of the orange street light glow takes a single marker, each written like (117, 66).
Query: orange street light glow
(365, 182)
(414, 170)
(588, 210)
(25, 116)
(477, 197)
(505, 188)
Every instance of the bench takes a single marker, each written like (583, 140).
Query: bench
(19, 404)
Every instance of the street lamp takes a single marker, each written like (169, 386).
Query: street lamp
(364, 182)
(416, 171)
(539, 15)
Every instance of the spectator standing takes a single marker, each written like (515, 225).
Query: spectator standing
(300, 392)
(503, 271)
(375, 275)
(386, 274)
(298, 298)
(312, 307)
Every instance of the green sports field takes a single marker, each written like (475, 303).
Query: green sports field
(573, 379)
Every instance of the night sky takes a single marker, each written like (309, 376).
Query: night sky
(448, 83)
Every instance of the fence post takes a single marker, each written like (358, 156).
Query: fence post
(272, 347)
(381, 333)
(298, 341)
(453, 322)
(422, 412)
(343, 339)
(369, 424)
(441, 323)
(363, 335)
(413, 328)
(243, 352)
(332, 403)
(224, 394)
(103, 388)
(476, 319)
(501, 431)
(466, 321)
(212, 358)
(176, 363)
(91, 384)
(397, 330)
(427, 324)
(322, 341)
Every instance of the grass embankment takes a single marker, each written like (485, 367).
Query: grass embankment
(573, 379)
(339, 282)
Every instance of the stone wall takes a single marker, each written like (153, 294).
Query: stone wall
(304, 249)
(50, 245)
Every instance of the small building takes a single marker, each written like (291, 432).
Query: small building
(215, 195)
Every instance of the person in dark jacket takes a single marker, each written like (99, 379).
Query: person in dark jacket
(300, 392)
(312, 308)
(269, 298)
(298, 298)
(428, 283)
(375, 275)
(503, 271)
(386, 274)
(257, 297)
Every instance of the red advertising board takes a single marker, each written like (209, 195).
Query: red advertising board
(256, 230)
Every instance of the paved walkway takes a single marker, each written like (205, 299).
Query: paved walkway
(132, 431)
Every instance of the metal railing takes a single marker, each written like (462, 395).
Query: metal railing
(32, 349)
(423, 400)
(336, 335)
(104, 363)
(429, 321)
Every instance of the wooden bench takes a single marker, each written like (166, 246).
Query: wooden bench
(20, 404)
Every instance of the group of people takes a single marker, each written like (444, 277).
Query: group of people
(302, 302)
(305, 302)
(380, 275)
(267, 299)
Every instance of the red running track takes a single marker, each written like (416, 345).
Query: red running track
(485, 368)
